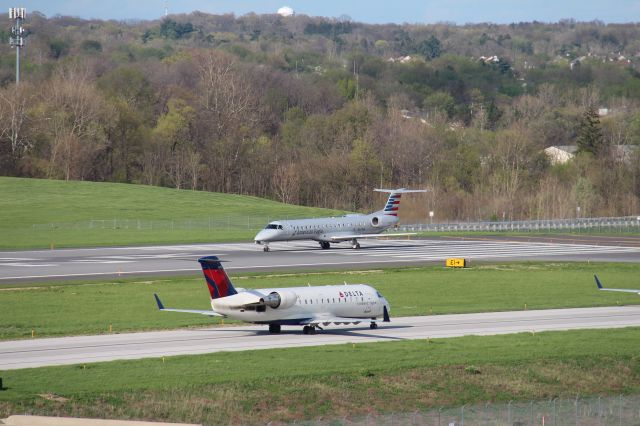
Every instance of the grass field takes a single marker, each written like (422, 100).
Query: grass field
(334, 381)
(40, 213)
(37, 213)
(91, 307)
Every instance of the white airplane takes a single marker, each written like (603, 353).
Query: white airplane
(625, 290)
(329, 230)
(306, 306)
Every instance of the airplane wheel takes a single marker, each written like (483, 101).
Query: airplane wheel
(265, 248)
(312, 330)
(373, 326)
(356, 246)
(325, 245)
(274, 328)
(306, 329)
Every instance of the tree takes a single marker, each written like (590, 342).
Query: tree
(431, 48)
(13, 115)
(73, 117)
(174, 131)
(590, 137)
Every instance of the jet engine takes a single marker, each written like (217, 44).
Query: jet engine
(281, 299)
(375, 221)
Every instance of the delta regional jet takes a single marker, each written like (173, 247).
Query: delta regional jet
(329, 230)
(306, 306)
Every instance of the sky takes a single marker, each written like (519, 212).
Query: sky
(369, 11)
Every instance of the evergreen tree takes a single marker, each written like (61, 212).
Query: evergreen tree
(431, 48)
(590, 137)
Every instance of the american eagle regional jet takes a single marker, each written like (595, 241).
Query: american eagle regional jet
(329, 230)
(306, 306)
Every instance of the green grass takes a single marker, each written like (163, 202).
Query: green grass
(334, 381)
(88, 308)
(40, 213)
(37, 213)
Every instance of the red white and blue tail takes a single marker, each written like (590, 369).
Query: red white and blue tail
(393, 202)
(217, 279)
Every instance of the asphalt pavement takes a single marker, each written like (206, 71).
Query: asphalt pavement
(111, 262)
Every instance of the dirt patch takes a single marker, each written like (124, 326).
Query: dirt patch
(53, 397)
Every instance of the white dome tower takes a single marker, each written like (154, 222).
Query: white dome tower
(286, 11)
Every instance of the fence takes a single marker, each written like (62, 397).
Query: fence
(594, 224)
(254, 223)
(602, 411)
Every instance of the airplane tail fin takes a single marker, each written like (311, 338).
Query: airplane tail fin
(393, 202)
(217, 279)
(598, 283)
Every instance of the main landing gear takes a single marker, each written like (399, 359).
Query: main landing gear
(326, 245)
(373, 325)
(309, 329)
(274, 328)
(265, 248)
(355, 244)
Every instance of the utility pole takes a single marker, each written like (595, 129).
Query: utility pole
(18, 14)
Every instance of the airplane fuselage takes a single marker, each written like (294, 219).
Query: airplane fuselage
(295, 305)
(325, 229)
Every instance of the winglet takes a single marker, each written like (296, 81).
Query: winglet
(160, 305)
(598, 282)
(385, 315)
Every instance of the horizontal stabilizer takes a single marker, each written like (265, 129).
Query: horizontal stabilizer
(399, 190)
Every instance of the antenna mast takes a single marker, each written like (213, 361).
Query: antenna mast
(16, 40)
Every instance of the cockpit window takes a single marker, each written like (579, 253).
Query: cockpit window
(379, 295)
(273, 226)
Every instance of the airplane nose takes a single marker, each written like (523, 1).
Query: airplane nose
(259, 236)
(264, 235)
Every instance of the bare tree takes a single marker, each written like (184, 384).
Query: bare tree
(74, 109)
(286, 180)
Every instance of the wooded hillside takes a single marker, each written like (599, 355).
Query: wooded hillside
(318, 111)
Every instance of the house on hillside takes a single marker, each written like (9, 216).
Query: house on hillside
(560, 154)
(563, 153)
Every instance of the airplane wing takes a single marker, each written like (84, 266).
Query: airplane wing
(625, 290)
(343, 237)
(188, 311)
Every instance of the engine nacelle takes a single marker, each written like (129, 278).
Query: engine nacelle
(280, 300)
(375, 221)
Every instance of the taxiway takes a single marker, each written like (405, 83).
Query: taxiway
(86, 349)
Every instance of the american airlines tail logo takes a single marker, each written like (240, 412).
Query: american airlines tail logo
(393, 203)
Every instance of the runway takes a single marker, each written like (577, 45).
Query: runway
(64, 264)
(86, 349)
